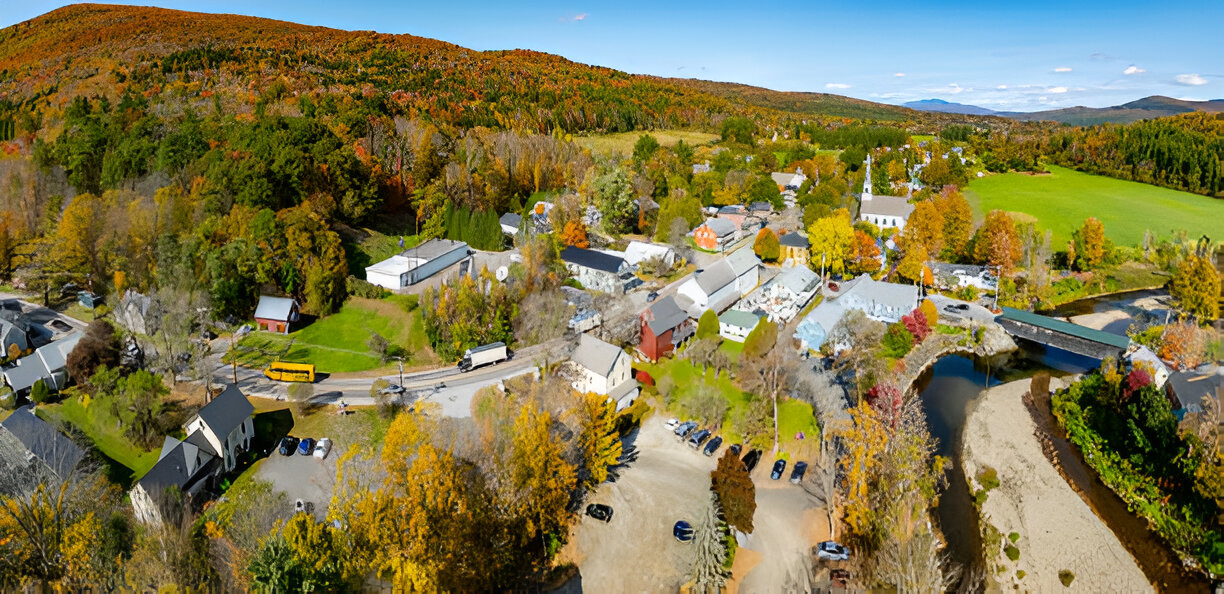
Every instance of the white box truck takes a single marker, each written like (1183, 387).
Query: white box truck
(488, 354)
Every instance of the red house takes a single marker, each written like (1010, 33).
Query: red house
(664, 325)
(276, 314)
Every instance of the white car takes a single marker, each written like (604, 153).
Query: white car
(831, 551)
(671, 424)
(322, 448)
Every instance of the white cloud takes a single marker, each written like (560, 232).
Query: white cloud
(837, 86)
(577, 17)
(1132, 69)
(1193, 80)
(1058, 89)
(1002, 87)
(956, 89)
(899, 74)
(1062, 69)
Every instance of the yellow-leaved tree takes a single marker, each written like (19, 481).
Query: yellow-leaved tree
(600, 443)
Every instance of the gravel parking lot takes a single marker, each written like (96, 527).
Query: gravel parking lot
(670, 481)
(301, 477)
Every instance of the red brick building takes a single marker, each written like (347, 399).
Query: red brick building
(664, 325)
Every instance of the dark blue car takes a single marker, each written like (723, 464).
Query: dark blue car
(683, 531)
(306, 446)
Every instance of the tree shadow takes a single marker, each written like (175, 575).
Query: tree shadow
(270, 427)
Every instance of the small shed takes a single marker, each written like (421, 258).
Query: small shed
(276, 314)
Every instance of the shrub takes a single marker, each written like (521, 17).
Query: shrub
(916, 325)
(1020, 574)
(1012, 552)
(362, 288)
(1013, 536)
(897, 341)
(1066, 577)
(644, 378)
(8, 400)
(988, 477)
(928, 310)
(39, 392)
(707, 325)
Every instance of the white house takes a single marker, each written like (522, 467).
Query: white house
(881, 301)
(784, 295)
(417, 264)
(604, 369)
(883, 211)
(735, 324)
(639, 251)
(226, 423)
(720, 285)
(598, 271)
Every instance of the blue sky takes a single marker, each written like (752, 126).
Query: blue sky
(1024, 56)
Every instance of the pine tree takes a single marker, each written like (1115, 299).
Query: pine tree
(735, 490)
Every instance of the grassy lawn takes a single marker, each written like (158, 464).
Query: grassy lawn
(1062, 200)
(104, 432)
(362, 424)
(363, 247)
(337, 343)
(623, 142)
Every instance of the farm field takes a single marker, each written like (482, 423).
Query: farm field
(1062, 200)
(337, 343)
(622, 142)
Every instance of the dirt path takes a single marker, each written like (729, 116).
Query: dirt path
(1057, 530)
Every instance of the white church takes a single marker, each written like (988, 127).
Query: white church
(883, 211)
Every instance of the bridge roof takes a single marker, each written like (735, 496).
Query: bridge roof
(1068, 328)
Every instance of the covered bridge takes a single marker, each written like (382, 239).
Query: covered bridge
(1061, 334)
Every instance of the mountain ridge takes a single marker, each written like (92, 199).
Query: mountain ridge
(1152, 106)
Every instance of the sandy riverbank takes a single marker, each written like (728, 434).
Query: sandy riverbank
(1057, 529)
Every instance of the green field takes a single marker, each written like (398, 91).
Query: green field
(1062, 200)
(104, 432)
(622, 142)
(337, 343)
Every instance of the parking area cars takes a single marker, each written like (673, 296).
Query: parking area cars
(306, 478)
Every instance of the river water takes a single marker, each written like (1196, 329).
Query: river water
(947, 392)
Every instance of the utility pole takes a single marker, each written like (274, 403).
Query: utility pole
(400, 361)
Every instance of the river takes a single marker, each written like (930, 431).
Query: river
(950, 387)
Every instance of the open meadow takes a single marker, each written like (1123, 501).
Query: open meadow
(622, 142)
(1062, 199)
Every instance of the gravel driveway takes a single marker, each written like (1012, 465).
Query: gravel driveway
(301, 477)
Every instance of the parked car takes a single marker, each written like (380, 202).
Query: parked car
(683, 531)
(713, 446)
(288, 445)
(303, 507)
(751, 459)
(306, 446)
(798, 472)
(778, 468)
(322, 448)
(831, 551)
(393, 389)
(735, 449)
(698, 438)
(242, 331)
(671, 424)
(652, 296)
(685, 428)
(600, 512)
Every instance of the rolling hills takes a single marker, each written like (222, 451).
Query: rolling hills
(1155, 106)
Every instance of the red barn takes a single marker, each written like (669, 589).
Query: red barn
(276, 314)
(664, 325)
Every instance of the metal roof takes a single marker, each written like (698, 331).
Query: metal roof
(794, 239)
(741, 319)
(716, 277)
(742, 260)
(274, 308)
(596, 355)
(664, 315)
(592, 259)
(1028, 317)
(40, 438)
(720, 227)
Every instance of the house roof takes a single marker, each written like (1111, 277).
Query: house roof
(794, 239)
(274, 308)
(886, 206)
(16, 319)
(1189, 387)
(798, 279)
(893, 295)
(596, 355)
(782, 178)
(179, 462)
(434, 248)
(665, 314)
(717, 276)
(55, 355)
(225, 412)
(739, 319)
(638, 251)
(761, 206)
(720, 227)
(732, 209)
(25, 373)
(1145, 355)
(819, 323)
(395, 265)
(742, 261)
(40, 438)
(511, 220)
(592, 259)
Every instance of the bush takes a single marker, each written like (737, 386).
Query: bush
(39, 393)
(928, 310)
(897, 341)
(1020, 574)
(989, 478)
(362, 288)
(1012, 552)
(1013, 536)
(8, 400)
(1066, 577)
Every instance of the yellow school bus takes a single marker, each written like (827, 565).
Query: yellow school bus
(290, 372)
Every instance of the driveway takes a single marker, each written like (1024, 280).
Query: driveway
(670, 481)
(302, 477)
(975, 313)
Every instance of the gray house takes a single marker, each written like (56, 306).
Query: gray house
(599, 271)
(32, 446)
(48, 363)
(414, 265)
(14, 330)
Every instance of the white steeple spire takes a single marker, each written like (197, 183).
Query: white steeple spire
(867, 180)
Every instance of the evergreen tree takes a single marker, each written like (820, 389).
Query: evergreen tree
(709, 574)
(707, 325)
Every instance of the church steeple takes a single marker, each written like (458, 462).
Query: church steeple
(867, 180)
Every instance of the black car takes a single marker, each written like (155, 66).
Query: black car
(699, 438)
(735, 449)
(751, 459)
(798, 472)
(778, 468)
(683, 531)
(652, 296)
(713, 446)
(288, 445)
(600, 512)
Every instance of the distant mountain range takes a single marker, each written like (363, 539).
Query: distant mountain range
(1143, 109)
